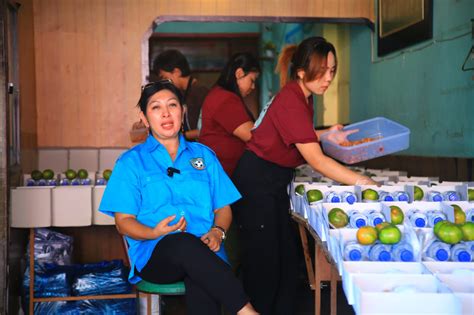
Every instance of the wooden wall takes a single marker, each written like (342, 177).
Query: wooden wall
(87, 58)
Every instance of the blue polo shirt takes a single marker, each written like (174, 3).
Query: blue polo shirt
(140, 186)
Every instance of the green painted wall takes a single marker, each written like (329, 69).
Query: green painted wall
(208, 27)
(422, 88)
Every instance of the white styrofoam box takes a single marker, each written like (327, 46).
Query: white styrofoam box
(425, 206)
(445, 183)
(463, 287)
(353, 268)
(460, 282)
(326, 189)
(403, 294)
(72, 206)
(390, 189)
(316, 221)
(393, 173)
(359, 206)
(460, 189)
(383, 180)
(417, 179)
(108, 157)
(98, 218)
(449, 267)
(30, 207)
(84, 158)
(55, 159)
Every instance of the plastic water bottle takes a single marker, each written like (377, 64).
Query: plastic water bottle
(30, 182)
(349, 197)
(374, 217)
(85, 181)
(470, 215)
(403, 252)
(417, 218)
(75, 182)
(42, 182)
(380, 252)
(100, 182)
(401, 196)
(385, 196)
(64, 182)
(357, 219)
(353, 251)
(52, 182)
(461, 252)
(451, 196)
(439, 251)
(434, 196)
(434, 216)
(333, 197)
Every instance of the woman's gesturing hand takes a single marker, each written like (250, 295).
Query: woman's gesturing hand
(163, 227)
(212, 239)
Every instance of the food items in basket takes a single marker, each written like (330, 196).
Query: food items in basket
(390, 235)
(396, 215)
(366, 235)
(348, 143)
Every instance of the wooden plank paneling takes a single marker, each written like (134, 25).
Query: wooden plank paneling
(88, 58)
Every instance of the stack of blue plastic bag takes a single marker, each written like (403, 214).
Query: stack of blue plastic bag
(56, 277)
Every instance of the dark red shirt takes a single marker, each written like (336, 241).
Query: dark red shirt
(287, 121)
(222, 113)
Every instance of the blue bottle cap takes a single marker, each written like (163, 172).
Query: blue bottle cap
(406, 255)
(437, 219)
(384, 256)
(377, 221)
(335, 199)
(442, 255)
(360, 223)
(350, 199)
(464, 256)
(437, 198)
(355, 255)
(388, 198)
(402, 197)
(420, 222)
(453, 197)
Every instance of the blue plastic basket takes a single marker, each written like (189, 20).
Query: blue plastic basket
(391, 137)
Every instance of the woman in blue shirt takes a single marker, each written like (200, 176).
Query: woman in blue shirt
(171, 198)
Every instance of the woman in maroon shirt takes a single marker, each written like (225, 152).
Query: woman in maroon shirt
(283, 138)
(226, 121)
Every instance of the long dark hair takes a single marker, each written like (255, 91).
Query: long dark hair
(310, 56)
(227, 79)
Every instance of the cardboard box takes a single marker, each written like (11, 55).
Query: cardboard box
(98, 218)
(55, 159)
(30, 207)
(72, 206)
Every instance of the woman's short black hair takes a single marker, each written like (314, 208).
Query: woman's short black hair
(148, 90)
(227, 79)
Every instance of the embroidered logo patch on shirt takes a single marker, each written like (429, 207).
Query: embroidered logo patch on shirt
(198, 163)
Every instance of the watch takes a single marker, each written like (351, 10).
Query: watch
(220, 228)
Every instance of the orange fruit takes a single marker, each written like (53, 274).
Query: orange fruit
(459, 215)
(338, 218)
(380, 226)
(418, 193)
(468, 231)
(450, 233)
(370, 194)
(366, 235)
(396, 215)
(390, 235)
(314, 195)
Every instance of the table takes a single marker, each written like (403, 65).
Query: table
(324, 265)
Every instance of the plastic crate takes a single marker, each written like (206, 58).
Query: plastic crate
(391, 137)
